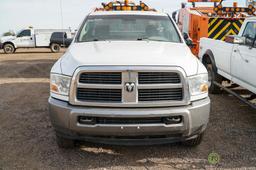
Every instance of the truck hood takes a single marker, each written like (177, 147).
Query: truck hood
(129, 53)
(6, 38)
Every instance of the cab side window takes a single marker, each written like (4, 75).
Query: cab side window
(25, 33)
(250, 34)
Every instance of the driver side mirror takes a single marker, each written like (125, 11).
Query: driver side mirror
(234, 39)
(188, 40)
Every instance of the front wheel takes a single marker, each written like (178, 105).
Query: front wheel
(213, 77)
(194, 142)
(65, 143)
(9, 49)
(55, 48)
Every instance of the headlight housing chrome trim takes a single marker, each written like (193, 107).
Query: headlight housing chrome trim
(60, 86)
(198, 86)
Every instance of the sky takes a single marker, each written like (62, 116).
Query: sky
(46, 14)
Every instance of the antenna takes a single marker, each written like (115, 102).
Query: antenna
(61, 14)
(61, 19)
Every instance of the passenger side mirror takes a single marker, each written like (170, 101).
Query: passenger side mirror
(188, 40)
(234, 39)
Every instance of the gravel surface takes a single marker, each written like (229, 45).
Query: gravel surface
(27, 139)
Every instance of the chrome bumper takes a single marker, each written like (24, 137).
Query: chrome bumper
(64, 118)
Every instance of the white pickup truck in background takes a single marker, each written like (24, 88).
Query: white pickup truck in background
(29, 38)
(233, 59)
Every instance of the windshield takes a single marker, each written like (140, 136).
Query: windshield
(128, 27)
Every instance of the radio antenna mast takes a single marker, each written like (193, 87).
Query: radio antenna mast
(61, 14)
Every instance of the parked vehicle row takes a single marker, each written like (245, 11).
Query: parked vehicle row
(36, 38)
(129, 76)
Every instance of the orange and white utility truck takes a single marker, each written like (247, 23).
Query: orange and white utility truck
(215, 22)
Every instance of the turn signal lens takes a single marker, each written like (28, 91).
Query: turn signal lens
(198, 84)
(204, 88)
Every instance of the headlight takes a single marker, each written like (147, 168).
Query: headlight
(198, 86)
(60, 84)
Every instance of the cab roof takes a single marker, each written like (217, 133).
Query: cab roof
(148, 13)
(251, 18)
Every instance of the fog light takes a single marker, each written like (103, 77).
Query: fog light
(173, 120)
(87, 120)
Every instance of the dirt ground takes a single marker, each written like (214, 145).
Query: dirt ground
(27, 139)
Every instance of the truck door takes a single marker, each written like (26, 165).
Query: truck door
(25, 39)
(243, 62)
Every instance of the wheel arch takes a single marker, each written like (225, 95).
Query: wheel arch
(9, 42)
(54, 43)
(208, 57)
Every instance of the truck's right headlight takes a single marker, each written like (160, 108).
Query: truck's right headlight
(198, 86)
(60, 85)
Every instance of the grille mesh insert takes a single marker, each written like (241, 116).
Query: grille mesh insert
(101, 78)
(99, 95)
(159, 78)
(160, 94)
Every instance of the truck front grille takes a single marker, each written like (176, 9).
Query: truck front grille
(131, 86)
(101, 78)
(160, 94)
(158, 78)
(99, 95)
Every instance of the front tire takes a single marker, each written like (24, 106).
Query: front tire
(9, 49)
(55, 48)
(213, 77)
(194, 142)
(65, 143)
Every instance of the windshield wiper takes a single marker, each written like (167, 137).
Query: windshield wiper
(149, 39)
(142, 38)
(94, 39)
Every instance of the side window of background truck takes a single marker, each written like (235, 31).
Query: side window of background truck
(250, 33)
(25, 33)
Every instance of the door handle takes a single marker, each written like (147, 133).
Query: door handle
(246, 60)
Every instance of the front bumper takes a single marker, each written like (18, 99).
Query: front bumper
(1, 46)
(64, 118)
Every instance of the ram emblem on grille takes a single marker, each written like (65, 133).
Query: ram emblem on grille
(129, 87)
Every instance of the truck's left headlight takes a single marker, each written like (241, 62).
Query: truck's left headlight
(198, 86)
(60, 84)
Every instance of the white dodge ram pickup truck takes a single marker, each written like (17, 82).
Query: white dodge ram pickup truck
(129, 78)
(233, 59)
